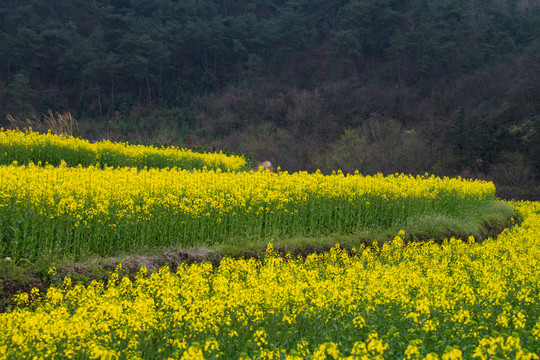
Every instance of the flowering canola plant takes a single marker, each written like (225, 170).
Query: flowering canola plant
(75, 211)
(455, 300)
(25, 147)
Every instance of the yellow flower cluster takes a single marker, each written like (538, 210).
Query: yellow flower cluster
(79, 210)
(456, 300)
(25, 147)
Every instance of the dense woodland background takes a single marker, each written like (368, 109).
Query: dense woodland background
(450, 87)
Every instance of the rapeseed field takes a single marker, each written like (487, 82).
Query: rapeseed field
(459, 299)
(456, 300)
(48, 211)
(30, 146)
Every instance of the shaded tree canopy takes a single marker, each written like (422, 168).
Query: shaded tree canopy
(149, 48)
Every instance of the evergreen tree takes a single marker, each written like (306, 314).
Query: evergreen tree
(18, 97)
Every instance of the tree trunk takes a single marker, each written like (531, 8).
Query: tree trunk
(8, 69)
(204, 59)
(112, 93)
(160, 80)
(149, 92)
(99, 102)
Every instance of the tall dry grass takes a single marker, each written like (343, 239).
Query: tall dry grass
(60, 124)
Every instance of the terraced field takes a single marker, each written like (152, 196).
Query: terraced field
(452, 299)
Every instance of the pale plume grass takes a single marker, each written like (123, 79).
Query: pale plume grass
(60, 124)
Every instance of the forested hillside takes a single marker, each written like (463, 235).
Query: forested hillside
(449, 86)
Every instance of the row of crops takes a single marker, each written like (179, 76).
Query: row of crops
(64, 197)
(76, 211)
(456, 300)
(72, 208)
(29, 146)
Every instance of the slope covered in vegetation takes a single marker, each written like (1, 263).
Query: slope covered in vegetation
(448, 87)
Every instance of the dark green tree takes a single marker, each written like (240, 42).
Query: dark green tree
(18, 96)
(461, 138)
